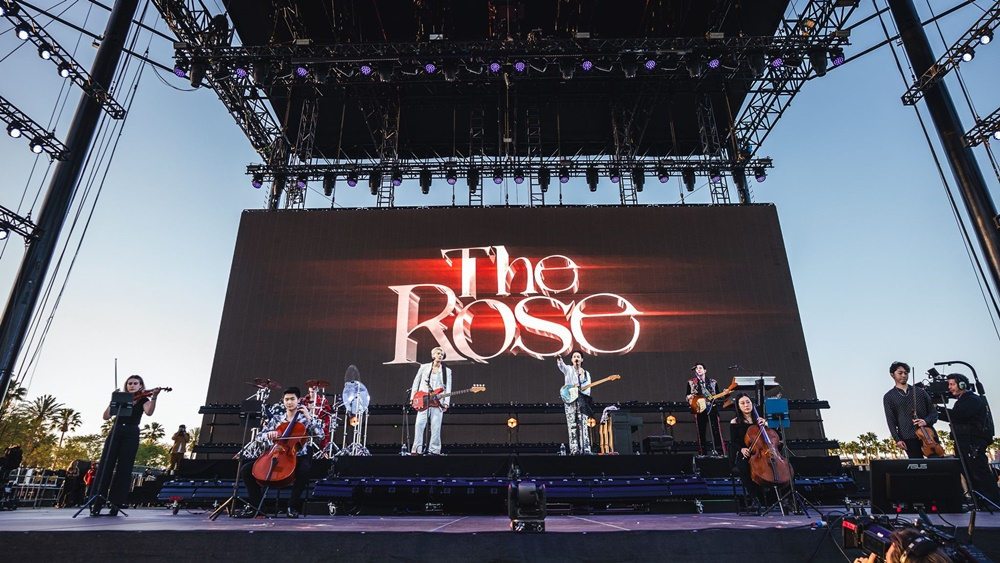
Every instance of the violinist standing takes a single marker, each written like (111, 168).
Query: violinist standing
(739, 453)
(118, 456)
(899, 406)
(303, 462)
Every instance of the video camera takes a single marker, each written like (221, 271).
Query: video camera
(871, 535)
(937, 387)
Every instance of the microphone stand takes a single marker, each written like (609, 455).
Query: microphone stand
(405, 448)
(246, 413)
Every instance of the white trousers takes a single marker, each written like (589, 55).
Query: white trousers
(435, 414)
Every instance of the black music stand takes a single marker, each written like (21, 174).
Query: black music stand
(122, 403)
(249, 409)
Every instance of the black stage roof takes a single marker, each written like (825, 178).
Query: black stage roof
(481, 113)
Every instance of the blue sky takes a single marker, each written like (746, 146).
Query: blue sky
(879, 265)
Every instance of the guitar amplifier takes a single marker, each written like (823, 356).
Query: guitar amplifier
(616, 432)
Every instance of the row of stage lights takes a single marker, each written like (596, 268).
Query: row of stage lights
(16, 130)
(985, 38)
(24, 32)
(543, 176)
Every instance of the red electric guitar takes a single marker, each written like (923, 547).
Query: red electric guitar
(422, 400)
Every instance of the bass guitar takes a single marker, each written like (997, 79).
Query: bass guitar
(701, 403)
(423, 400)
(571, 393)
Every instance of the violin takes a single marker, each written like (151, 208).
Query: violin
(145, 393)
(767, 466)
(929, 445)
(276, 468)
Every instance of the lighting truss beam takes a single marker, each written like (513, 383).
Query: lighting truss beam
(984, 129)
(20, 225)
(953, 56)
(32, 131)
(63, 60)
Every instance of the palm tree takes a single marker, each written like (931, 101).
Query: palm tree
(195, 434)
(869, 444)
(43, 409)
(15, 394)
(67, 420)
(153, 432)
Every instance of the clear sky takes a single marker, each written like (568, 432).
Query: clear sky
(879, 265)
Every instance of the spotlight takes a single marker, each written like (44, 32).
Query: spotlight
(497, 175)
(818, 59)
(714, 63)
(996, 134)
(36, 147)
(197, 74)
(352, 178)
(776, 62)
(670, 420)
(329, 181)
(23, 31)
(563, 174)
(526, 506)
(354, 419)
(695, 66)
(591, 175)
(650, 64)
(591, 422)
(615, 175)
(425, 181)
(14, 129)
(968, 54)
(179, 71)
(638, 178)
(386, 71)
(662, 174)
(450, 70)
(374, 181)
(451, 177)
(301, 182)
(543, 179)
(512, 422)
(4, 232)
(45, 51)
(986, 37)
(837, 56)
(630, 67)
(301, 71)
(740, 179)
(366, 69)
(587, 64)
(8, 7)
(520, 66)
(688, 176)
(258, 181)
(759, 174)
(241, 72)
(472, 179)
(715, 176)
(397, 177)
(567, 68)
(430, 68)
(495, 67)
(63, 70)
(518, 175)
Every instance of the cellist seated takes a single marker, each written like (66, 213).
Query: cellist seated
(739, 453)
(303, 460)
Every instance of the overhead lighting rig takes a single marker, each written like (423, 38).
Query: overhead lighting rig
(20, 125)
(984, 129)
(10, 221)
(964, 50)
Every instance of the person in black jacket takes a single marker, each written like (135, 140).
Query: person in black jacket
(739, 453)
(973, 432)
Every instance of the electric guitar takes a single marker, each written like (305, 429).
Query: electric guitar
(571, 393)
(701, 403)
(422, 400)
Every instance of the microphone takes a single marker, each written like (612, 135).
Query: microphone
(737, 366)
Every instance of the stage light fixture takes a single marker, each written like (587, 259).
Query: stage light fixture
(543, 179)
(662, 174)
(615, 174)
(242, 72)
(197, 74)
(996, 134)
(23, 31)
(759, 174)
(8, 7)
(354, 419)
(591, 175)
(777, 61)
(301, 71)
(45, 51)
(425, 181)
(397, 177)
(495, 67)
(587, 65)
(837, 56)
(688, 176)
(630, 66)
(179, 71)
(14, 129)
(366, 69)
(818, 59)
(63, 70)
(670, 420)
(518, 176)
(430, 68)
(36, 147)
(451, 177)
(450, 70)
(526, 506)
(638, 178)
(739, 179)
(696, 66)
(352, 178)
(386, 71)
(986, 38)
(714, 63)
(567, 67)
(4, 233)
(329, 182)
(650, 64)
(715, 176)
(301, 182)
(472, 179)
(374, 181)
(563, 174)
(257, 181)
(512, 422)
(968, 54)
(520, 66)
(591, 422)
(498, 175)
(3, 9)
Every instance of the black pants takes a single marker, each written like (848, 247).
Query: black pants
(753, 490)
(303, 464)
(983, 480)
(914, 448)
(702, 419)
(117, 461)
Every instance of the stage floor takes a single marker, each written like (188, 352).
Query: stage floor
(48, 533)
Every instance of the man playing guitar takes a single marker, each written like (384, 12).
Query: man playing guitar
(576, 421)
(430, 378)
(700, 384)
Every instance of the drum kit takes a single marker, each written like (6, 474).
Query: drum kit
(324, 406)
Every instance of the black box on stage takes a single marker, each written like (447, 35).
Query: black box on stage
(903, 485)
(616, 432)
(315, 508)
(658, 444)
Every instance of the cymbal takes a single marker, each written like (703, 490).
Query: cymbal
(317, 383)
(261, 383)
(356, 397)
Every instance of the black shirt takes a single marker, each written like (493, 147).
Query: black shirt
(898, 408)
(137, 412)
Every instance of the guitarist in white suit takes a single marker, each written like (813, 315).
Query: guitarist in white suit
(430, 377)
(576, 422)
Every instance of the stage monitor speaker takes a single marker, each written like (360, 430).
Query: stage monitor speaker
(658, 444)
(903, 485)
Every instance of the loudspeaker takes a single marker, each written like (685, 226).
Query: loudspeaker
(658, 444)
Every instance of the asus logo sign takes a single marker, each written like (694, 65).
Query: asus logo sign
(917, 466)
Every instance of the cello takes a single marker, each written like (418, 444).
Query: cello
(276, 468)
(767, 466)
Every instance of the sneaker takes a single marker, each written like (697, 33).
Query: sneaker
(292, 513)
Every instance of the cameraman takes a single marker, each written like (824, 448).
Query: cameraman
(910, 546)
(973, 433)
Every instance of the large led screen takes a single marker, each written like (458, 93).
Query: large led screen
(644, 292)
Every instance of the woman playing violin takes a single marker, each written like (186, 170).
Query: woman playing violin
(738, 451)
(314, 428)
(118, 456)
